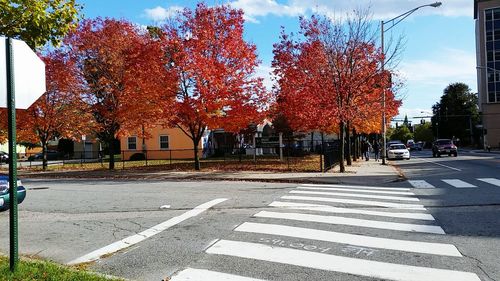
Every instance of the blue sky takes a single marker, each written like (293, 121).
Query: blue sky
(439, 48)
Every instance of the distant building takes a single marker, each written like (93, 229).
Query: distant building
(487, 17)
(162, 143)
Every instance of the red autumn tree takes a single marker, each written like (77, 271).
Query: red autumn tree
(330, 77)
(124, 78)
(60, 111)
(215, 67)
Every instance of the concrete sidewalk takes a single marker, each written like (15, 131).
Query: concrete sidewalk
(361, 172)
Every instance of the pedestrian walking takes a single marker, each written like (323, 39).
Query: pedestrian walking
(365, 149)
(376, 150)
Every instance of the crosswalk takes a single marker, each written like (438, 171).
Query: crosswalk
(363, 231)
(456, 183)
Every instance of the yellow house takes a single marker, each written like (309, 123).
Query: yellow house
(163, 143)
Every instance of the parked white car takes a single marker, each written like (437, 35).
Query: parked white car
(398, 151)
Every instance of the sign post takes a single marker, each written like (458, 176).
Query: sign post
(11, 108)
(22, 73)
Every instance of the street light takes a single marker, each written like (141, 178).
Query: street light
(394, 22)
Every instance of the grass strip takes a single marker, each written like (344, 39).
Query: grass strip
(29, 269)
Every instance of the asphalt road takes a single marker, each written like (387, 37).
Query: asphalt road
(155, 230)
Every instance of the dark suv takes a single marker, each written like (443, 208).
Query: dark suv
(444, 146)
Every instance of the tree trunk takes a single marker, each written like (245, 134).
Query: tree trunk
(111, 147)
(342, 147)
(349, 147)
(312, 142)
(354, 146)
(44, 155)
(196, 141)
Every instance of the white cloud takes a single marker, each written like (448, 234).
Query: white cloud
(259, 8)
(451, 65)
(386, 9)
(159, 14)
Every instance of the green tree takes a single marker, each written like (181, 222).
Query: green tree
(423, 132)
(38, 21)
(401, 133)
(456, 114)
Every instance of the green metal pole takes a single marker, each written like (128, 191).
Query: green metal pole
(11, 107)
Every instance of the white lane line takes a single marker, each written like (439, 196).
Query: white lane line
(193, 274)
(357, 202)
(420, 184)
(352, 222)
(134, 239)
(439, 164)
(492, 181)
(357, 187)
(383, 197)
(330, 209)
(356, 190)
(351, 239)
(360, 267)
(458, 183)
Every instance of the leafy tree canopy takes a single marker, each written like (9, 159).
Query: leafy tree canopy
(456, 113)
(38, 22)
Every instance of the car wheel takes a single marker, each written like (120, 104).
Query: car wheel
(438, 155)
(455, 154)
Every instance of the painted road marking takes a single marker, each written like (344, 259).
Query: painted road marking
(357, 187)
(439, 164)
(383, 197)
(357, 202)
(492, 181)
(351, 239)
(353, 222)
(356, 190)
(458, 183)
(368, 268)
(420, 184)
(193, 274)
(134, 239)
(330, 209)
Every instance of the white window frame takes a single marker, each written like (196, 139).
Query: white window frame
(168, 142)
(128, 142)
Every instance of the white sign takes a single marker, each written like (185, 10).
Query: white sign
(29, 74)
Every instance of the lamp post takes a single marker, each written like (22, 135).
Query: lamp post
(394, 22)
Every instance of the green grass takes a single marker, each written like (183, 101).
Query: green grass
(45, 271)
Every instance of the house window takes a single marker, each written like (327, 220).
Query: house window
(164, 142)
(132, 143)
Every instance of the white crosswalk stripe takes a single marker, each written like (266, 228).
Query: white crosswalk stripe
(357, 202)
(347, 187)
(383, 197)
(351, 239)
(421, 184)
(492, 181)
(374, 209)
(193, 274)
(330, 209)
(368, 268)
(355, 190)
(352, 222)
(458, 183)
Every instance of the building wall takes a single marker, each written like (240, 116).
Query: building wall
(488, 83)
(179, 146)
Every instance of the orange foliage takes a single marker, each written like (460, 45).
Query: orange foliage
(215, 68)
(323, 83)
(59, 112)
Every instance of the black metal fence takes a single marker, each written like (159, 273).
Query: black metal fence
(318, 157)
